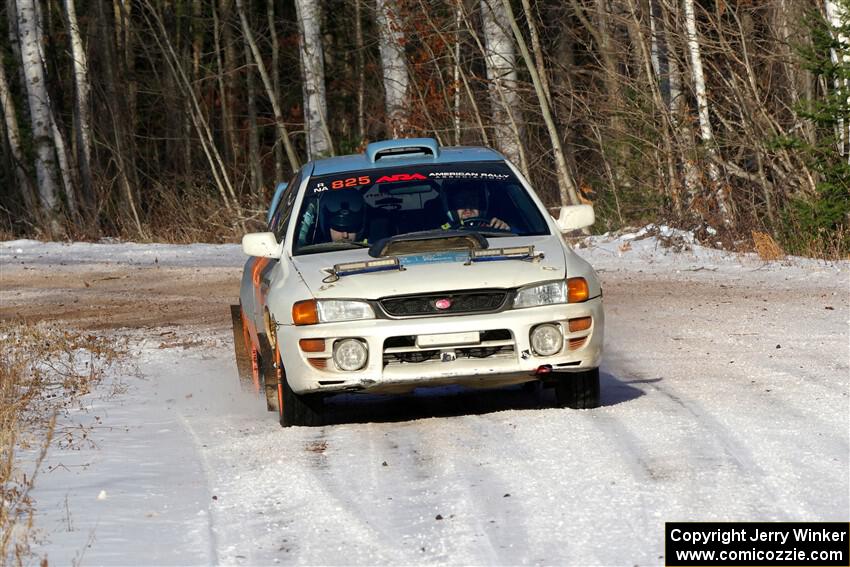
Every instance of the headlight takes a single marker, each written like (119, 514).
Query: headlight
(312, 311)
(350, 354)
(543, 294)
(340, 310)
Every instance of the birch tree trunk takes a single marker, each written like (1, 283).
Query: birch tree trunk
(40, 118)
(659, 50)
(13, 136)
(283, 134)
(500, 59)
(313, 83)
(703, 111)
(566, 185)
(82, 115)
(63, 160)
(394, 66)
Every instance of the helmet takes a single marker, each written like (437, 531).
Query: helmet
(342, 210)
(464, 194)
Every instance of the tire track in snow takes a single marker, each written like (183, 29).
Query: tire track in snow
(400, 502)
(761, 472)
(205, 467)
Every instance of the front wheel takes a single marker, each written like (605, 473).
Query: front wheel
(579, 390)
(292, 408)
(308, 410)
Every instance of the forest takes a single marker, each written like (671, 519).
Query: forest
(173, 120)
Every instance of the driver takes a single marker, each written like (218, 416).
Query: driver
(342, 215)
(467, 201)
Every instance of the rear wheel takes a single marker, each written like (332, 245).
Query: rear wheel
(579, 390)
(244, 363)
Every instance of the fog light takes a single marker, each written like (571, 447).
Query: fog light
(546, 340)
(350, 354)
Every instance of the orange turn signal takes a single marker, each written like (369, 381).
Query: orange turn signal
(580, 324)
(305, 313)
(577, 290)
(312, 345)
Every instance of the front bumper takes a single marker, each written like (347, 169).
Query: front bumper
(508, 359)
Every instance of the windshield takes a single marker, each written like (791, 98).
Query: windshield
(358, 208)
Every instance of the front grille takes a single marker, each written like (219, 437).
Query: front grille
(403, 350)
(461, 302)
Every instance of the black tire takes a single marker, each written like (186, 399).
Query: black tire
(578, 390)
(307, 410)
(240, 348)
(268, 374)
(297, 409)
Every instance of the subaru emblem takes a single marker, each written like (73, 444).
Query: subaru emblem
(444, 303)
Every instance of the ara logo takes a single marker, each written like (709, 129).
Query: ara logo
(401, 177)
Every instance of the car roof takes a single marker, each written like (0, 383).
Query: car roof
(438, 155)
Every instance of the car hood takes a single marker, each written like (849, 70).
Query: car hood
(433, 272)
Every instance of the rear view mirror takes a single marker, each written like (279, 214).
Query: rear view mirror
(262, 245)
(575, 217)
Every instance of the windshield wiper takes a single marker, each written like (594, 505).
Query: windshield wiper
(331, 246)
(488, 231)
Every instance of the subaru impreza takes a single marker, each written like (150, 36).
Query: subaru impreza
(409, 266)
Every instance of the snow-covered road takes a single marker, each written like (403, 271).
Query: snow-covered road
(724, 390)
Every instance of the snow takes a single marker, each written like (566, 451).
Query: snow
(725, 397)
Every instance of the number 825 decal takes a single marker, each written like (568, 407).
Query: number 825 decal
(351, 182)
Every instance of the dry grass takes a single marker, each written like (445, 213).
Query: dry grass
(193, 215)
(44, 371)
(766, 247)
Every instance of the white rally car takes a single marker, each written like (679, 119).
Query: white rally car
(415, 265)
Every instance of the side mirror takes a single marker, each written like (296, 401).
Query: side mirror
(261, 244)
(575, 217)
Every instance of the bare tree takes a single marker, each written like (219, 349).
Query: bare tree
(40, 116)
(82, 114)
(280, 123)
(13, 137)
(703, 111)
(313, 84)
(566, 184)
(394, 66)
(274, 40)
(500, 59)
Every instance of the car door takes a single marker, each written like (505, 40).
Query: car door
(263, 269)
